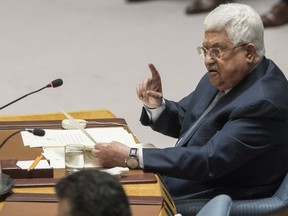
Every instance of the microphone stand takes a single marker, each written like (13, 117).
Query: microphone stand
(35, 131)
(22, 97)
(6, 185)
(53, 84)
(9, 137)
(6, 182)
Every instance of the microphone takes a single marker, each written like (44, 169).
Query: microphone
(54, 84)
(35, 131)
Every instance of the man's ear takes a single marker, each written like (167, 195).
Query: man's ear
(250, 52)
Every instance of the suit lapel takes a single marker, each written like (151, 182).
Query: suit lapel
(207, 98)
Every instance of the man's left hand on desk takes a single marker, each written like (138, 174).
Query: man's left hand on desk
(113, 154)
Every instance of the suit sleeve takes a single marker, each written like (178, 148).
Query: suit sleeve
(170, 121)
(243, 134)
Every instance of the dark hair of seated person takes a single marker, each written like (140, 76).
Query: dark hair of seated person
(91, 193)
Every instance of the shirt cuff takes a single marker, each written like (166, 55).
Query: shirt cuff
(154, 114)
(140, 158)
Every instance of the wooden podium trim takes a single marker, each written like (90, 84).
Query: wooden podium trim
(56, 124)
(41, 197)
(140, 178)
(84, 114)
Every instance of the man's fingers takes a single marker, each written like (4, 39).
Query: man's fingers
(143, 87)
(95, 151)
(156, 95)
(154, 72)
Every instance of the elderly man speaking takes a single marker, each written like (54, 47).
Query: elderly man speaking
(232, 129)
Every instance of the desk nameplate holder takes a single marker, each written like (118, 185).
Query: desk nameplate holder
(10, 168)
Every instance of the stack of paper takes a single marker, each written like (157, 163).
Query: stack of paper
(60, 138)
(54, 141)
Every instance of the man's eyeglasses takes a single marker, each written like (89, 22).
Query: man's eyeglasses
(214, 52)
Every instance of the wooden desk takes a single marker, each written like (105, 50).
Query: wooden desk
(19, 121)
(88, 114)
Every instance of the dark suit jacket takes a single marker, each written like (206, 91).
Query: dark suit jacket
(240, 148)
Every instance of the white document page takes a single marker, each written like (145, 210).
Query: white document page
(57, 138)
(43, 164)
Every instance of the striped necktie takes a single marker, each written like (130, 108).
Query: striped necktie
(187, 134)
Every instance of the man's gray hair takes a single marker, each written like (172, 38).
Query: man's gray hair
(241, 22)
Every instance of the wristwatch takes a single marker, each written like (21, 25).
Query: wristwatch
(132, 160)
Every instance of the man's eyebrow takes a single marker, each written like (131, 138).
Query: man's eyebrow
(216, 44)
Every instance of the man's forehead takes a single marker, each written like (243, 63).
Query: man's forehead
(216, 38)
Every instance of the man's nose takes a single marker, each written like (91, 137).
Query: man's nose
(208, 59)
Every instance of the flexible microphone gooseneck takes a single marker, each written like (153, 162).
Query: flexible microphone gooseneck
(35, 131)
(54, 84)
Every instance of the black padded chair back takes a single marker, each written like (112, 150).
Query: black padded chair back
(273, 206)
(276, 205)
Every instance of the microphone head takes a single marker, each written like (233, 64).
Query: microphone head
(36, 131)
(39, 132)
(55, 83)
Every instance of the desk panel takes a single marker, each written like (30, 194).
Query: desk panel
(50, 209)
